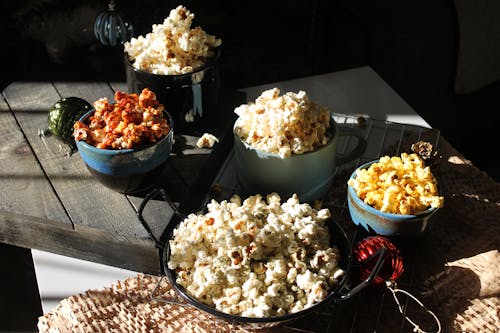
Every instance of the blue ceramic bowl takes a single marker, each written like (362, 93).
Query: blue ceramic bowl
(386, 224)
(127, 170)
(190, 98)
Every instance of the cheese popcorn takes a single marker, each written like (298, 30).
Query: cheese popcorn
(398, 185)
(285, 125)
(172, 47)
(251, 258)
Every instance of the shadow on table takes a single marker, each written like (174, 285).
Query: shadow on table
(457, 263)
(452, 268)
(189, 172)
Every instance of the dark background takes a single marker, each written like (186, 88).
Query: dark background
(412, 45)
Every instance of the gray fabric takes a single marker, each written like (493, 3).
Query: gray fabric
(478, 62)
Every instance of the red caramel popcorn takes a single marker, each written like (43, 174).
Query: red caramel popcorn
(285, 125)
(173, 47)
(134, 120)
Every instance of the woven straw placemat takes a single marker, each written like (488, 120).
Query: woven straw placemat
(128, 307)
(456, 273)
(458, 268)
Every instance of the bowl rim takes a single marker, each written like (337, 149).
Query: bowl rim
(212, 60)
(373, 210)
(127, 150)
(333, 295)
(332, 129)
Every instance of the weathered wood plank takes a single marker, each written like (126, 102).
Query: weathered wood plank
(201, 187)
(86, 201)
(221, 126)
(124, 208)
(119, 86)
(158, 213)
(184, 162)
(186, 158)
(24, 186)
(85, 243)
(193, 169)
(89, 91)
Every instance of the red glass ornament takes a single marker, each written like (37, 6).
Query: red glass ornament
(366, 252)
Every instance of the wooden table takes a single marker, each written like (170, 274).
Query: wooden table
(50, 202)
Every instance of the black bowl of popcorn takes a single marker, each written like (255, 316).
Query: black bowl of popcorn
(260, 262)
(181, 65)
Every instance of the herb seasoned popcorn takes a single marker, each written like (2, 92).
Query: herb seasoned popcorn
(134, 120)
(256, 258)
(172, 47)
(398, 185)
(285, 125)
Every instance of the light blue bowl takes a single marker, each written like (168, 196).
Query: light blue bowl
(386, 224)
(127, 170)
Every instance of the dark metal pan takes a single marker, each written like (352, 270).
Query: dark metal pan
(341, 291)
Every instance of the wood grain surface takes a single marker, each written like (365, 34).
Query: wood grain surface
(51, 202)
(25, 187)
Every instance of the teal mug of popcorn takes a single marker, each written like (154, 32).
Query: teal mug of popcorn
(289, 160)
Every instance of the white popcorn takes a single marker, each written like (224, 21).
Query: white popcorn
(207, 140)
(189, 117)
(284, 125)
(245, 258)
(172, 47)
